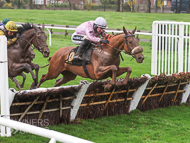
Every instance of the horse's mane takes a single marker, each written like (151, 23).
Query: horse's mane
(24, 27)
(109, 36)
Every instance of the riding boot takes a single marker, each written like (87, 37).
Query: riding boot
(78, 55)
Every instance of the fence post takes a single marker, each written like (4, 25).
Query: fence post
(77, 101)
(154, 49)
(185, 95)
(4, 85)
(138, 94)
(180, 48)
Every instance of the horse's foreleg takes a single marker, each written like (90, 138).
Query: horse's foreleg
(67, 76)
(16, 82)
(121, 71)
(101, 71)
(23, 81)
(43, 78)
(36, 68)
(20, 67)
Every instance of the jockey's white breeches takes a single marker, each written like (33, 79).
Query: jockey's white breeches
(78, 38)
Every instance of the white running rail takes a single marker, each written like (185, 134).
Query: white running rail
(4, 85)
(170, 47)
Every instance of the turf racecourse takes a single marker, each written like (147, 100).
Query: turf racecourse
(143, 21)
(160, 125)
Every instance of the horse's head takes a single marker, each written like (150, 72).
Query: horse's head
(132, 47)
(39, 40)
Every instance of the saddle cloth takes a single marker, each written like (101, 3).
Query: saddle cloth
(86, 56)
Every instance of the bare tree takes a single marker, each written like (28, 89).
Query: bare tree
(30, 4)
(69, 4)
(188, 6)
(118, 5)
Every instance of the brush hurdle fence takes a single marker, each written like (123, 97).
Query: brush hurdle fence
(67, 104)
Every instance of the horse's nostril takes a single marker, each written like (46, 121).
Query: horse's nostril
(140, 58)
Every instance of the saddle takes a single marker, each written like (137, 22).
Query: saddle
(86, 56)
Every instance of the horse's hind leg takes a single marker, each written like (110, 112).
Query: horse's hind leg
(43, 78)
(67, 76)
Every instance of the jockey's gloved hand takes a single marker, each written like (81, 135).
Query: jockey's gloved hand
(105, 41)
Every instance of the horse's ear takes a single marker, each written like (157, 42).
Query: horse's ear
(125, 31)
(134, 30)
(34, 27)
(43, 26)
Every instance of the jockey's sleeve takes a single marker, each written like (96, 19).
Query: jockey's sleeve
(90, 34)
(1, 32)
(11, 41)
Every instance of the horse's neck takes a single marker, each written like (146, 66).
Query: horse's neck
(26, 39)
(116, 44)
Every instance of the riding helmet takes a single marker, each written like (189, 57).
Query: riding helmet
(101, 22)
(11, 26)
(5, 20)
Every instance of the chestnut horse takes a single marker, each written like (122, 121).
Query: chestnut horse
(17, 53)
(105, 61)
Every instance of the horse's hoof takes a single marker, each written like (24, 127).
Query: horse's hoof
(119, 83)
(33, 86)
(107, 87)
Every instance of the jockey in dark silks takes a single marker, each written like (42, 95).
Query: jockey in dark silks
(2, 25)
(89, 31)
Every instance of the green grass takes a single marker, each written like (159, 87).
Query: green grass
(160, 125)
(163, 125)
(143, 21)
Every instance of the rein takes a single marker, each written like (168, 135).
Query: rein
(29, 42)
(125, 37)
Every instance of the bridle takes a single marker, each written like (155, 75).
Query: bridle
(129, 51)
(30, 42)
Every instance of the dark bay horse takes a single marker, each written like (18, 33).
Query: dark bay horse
(104, 62)
(28, 58)
(18, 60)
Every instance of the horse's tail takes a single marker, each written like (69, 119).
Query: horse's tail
(47, 64)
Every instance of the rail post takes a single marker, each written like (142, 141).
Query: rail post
(4, 85)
